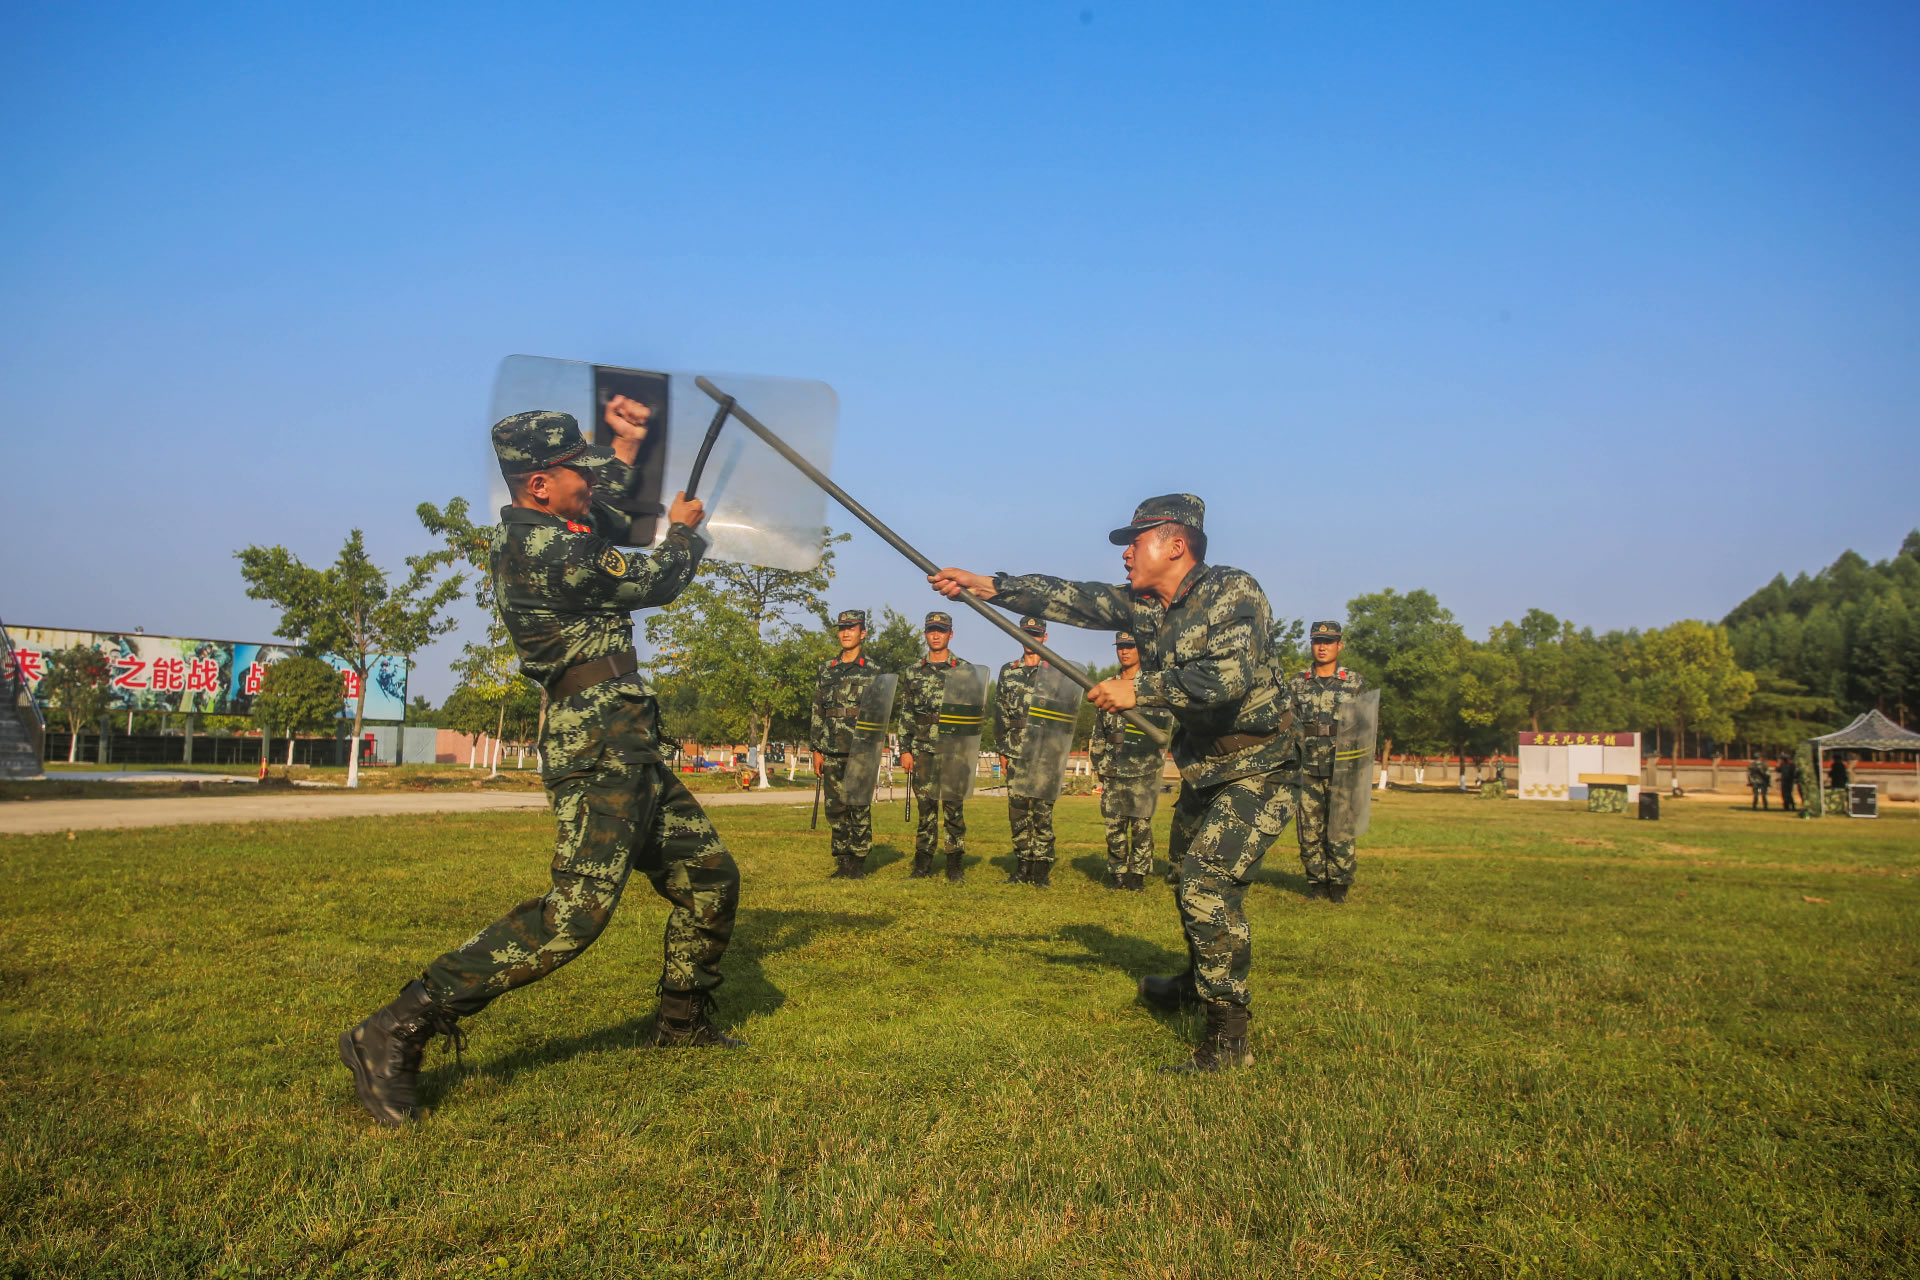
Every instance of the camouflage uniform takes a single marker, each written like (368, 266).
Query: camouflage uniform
(1316, 707)
(1759, 782)
(925, 690)
(836, 705)
(567, 595)
(1127, 764)
(1206, 659)
(1031, 819)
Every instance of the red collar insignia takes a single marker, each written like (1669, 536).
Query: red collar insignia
(577, 528)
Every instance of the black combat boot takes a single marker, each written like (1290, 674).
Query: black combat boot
(1040, 874)
(682, 1023)
(1316, 889)
(1170, 993)
(1336, 893)
(1224, 1046)
(1115, 880)
(922, 866)
(955, 872)
(856, 866)
(1134, 882)
(384, 1052)
(840, 871)
(1019, 873)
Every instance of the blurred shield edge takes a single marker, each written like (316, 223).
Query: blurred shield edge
(760, 511)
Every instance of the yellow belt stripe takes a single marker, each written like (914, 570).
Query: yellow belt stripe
(1351, 755)
(862, 724)
(1046, 714)
(962, 719)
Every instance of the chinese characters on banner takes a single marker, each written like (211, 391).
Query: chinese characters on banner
(219, 677)
(1579, 739)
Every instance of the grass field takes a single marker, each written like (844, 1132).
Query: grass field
(1535, 1042)
(219, 780)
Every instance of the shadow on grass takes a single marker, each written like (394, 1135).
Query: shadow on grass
(1135, 957)
(756, 935)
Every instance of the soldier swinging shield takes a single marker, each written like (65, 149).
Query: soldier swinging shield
(1350, 796)
(869, 739)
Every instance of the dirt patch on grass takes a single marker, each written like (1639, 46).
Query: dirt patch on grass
(1689, 849)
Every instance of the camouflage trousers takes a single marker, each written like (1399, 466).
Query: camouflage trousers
(1220, 833)
(1129, 839)
(928, 817)
(1032, 823)
(852, 824)
(1325, 861)
(615, 817)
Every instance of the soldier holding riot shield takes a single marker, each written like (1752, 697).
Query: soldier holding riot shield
(1034, 710)
(848, 732)
(945, 708)
(1336, 716)
(1127, 763)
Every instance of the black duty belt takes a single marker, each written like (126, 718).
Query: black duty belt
(1233, 743)
(1317, 730)
(841, 713)
(584, 675)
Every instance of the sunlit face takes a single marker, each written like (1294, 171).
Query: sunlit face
(1148, 555)
(937, 640)
(567, 492)
(1325, 651)
(1129, 655)
(852, 637)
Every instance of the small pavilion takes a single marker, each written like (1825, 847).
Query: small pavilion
(1869, 732)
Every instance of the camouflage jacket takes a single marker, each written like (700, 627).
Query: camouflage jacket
(1316, 709)
(1118, 750)
(923, 689)
(567, 594)
(1757, 774)
(1205, 658)
(836, 703)
(1011, 694)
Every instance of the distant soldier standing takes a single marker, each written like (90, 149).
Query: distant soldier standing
(1031, 819)
(1758, 782)
(925, 690)
(1127, 763)
(567, 595)
(1206, 657)
(1319, 695)
(836, 705)
(1789, 769)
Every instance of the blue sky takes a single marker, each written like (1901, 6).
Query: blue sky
(1610, 311)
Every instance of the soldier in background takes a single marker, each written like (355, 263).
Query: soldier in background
(1789, 771)
(1759, 783)
(1031, 819)
(1127, 763)
(926, 690)
(1319, 694)
(836, 705)
(567, 595)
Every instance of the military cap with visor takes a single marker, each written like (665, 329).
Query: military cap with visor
(1325, 631)
(851, 618)
(938, 621)
(1124, 640)
(1168, 508)
(542, 438)
(1033, 626)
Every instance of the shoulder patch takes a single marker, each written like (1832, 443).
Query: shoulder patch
(574, 527)
(613, 562)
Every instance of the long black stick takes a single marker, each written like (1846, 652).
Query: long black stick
(920, 562)
(706, 444)
(815, 824)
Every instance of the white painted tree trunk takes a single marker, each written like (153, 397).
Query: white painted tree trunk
(359, 721)
(289, 753)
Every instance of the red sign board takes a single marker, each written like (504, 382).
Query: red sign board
(1560, 738)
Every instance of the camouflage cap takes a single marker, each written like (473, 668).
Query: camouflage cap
(1124, 640)
(1168, 508)
(1033, 626)
(1325, 631)
(542, 438)
(938, 621)
(851, 618)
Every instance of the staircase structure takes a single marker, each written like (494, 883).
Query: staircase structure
(23, 734)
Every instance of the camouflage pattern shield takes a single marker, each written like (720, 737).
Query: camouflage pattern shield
(1051, 713)
(759, 510)
(1136, 794)
(1351, 794)
(869, 739)
(956, 746)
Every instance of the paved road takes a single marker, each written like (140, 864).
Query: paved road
(35, 817)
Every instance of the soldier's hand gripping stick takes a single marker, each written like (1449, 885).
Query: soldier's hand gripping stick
(728, 407)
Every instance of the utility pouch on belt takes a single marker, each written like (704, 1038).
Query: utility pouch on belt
(584, 675)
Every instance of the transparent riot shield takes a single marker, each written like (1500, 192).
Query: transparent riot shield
(759, 510)
(1134, 791)
(1356, 724)
(963, 709)
(1051, 712)
(869, 739)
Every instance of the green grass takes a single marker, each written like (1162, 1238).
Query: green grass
(1536, 1042)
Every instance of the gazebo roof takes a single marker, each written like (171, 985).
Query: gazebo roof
(1870, 732)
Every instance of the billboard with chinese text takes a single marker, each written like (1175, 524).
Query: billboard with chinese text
(217, 677)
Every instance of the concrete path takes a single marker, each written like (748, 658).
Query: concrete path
(38, 817)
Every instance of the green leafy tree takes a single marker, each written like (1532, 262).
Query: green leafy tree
(422, 713)
(1410, 649)
(1691, 681)
(741, 646)
(1542, 650)
(350, 611)
(78, 685)
(298, 695)
(897, 644)
(1781, 713)
(1487, 707)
